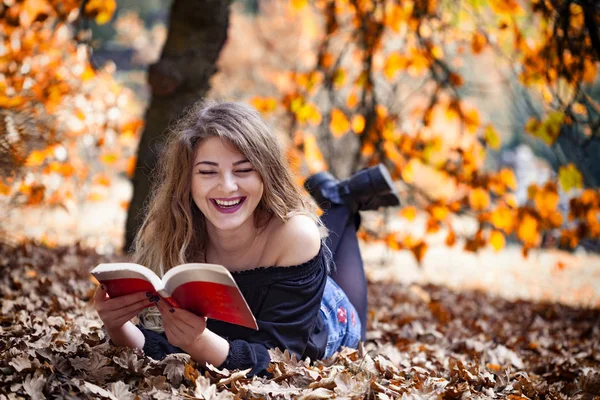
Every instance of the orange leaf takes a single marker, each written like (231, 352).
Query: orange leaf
(510, 8)
(478, 42)
(503, 218)
(528, 231)
(299, 4)
(451, 238)
(102, 179)
(508, 179)
(101, 10)
(36, 194)
(264, 104)
(492, 138)
(358, 124)
(35, 158)
(339, 124)
(409, 213)
(352, 100)
(368, 149)
(88, 73)
(419, 251)
(392, 243)
(64, 169)
(455, 79)
(497, 240)
(394, 63)
(590, 70)
(432, 226)
(327, 60)
(479, 199)
(4, 189)
(546, 202)
(556, 219)
(472, 120)
(440, 213)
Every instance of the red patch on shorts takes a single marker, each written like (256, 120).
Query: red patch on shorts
(353, 318)
(341, 314)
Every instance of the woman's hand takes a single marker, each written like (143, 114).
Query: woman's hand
(116, 312)
(183, 328)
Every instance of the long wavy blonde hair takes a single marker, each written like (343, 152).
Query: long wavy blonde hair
(174, 229)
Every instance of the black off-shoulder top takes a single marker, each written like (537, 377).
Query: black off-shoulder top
(285, 302)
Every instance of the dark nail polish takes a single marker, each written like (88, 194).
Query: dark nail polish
(154, 299)
(102, 287)
(172, 310)
(149, 295)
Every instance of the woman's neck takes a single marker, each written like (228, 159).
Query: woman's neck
(239, 244)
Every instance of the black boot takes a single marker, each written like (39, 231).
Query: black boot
(322, 186)
(367, 189)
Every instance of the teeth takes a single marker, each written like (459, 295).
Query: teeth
(228, 203)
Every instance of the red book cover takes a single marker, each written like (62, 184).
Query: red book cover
(207, 290)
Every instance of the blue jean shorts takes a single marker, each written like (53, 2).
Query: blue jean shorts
(341, 318)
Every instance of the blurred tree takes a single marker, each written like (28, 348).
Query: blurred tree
(197, 32)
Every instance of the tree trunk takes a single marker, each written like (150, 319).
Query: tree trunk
(197, 32)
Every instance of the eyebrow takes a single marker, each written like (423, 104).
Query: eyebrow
(217, 164)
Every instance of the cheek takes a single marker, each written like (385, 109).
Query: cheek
(199, 190)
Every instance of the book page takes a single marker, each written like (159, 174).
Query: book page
(209, 290)
(126, 278)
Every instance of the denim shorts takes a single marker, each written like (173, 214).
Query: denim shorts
(341, 318)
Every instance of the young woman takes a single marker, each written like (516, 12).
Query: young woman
(225, 195)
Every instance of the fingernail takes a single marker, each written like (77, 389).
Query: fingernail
(102, 287)
(172, 310)
(149, 295)
(154, 299)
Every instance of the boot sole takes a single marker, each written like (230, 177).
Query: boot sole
(382, 180)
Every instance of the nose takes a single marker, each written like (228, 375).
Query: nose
(229, 183)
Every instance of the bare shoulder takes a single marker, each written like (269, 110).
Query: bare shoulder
(297, 240)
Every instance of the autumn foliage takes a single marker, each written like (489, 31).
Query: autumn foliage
(422, 342)
(378, 81)
(367, 50)
(63, 124)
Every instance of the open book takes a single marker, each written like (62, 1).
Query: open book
(207, 290)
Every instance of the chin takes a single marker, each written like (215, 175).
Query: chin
(228, 225)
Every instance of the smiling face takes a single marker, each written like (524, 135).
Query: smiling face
(225, 186)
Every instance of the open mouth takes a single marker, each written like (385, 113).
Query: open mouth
(228, 206)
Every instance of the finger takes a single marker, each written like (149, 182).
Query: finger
(183, 317)
(174, 323)
(190, 319)
(174, 332)
(123, 302)
(113, 313)
(119, 321)
(100, 294)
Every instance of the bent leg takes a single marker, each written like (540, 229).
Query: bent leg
(349, 271)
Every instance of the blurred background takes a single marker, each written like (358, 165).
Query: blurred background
(487, 114)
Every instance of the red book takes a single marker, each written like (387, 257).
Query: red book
(207, 290)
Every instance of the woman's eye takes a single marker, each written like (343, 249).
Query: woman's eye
(206, 172)
(245, 170)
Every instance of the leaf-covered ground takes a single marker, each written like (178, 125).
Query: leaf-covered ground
(424, 343)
